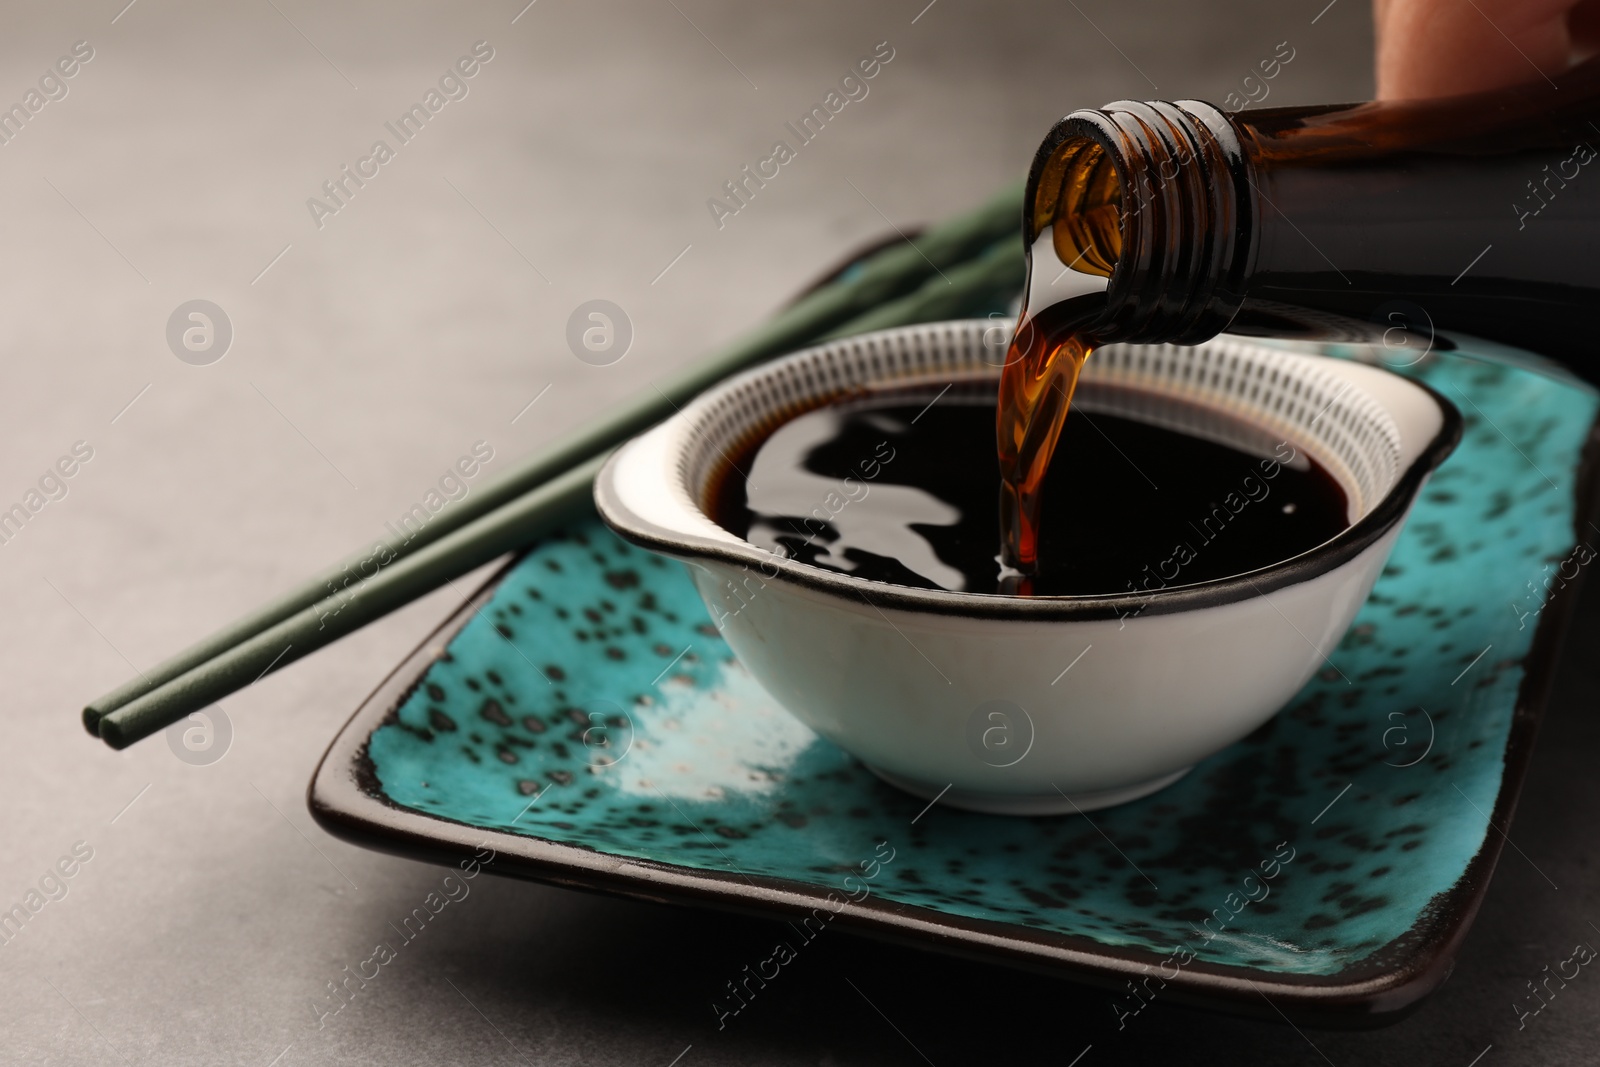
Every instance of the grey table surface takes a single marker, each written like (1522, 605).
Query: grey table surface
(373, 346)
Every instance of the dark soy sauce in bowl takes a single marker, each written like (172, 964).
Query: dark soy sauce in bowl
(901, 487)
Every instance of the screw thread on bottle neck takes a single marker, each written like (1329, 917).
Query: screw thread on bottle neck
(1187, 215)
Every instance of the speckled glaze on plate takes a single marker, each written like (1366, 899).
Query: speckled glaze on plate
(583, 716)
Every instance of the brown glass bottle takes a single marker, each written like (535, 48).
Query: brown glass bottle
(1170, 222)
(1478, 214)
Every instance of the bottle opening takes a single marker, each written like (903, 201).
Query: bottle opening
(1079, 196)
(1152, 203)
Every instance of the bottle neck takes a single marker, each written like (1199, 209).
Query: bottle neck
(1475, 213)
(1176, 261)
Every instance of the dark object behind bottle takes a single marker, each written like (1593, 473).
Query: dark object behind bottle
(1478, 214)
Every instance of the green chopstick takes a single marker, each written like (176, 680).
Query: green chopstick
(989, 278)
(560, 500)
(885, 277)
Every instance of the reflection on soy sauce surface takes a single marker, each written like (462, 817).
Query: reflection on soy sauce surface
(901, 488)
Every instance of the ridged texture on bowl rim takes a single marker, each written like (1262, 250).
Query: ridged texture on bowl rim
(1286, 394)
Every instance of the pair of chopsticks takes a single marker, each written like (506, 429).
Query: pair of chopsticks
(951, 270)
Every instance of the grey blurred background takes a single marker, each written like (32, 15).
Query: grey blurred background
(370, 352)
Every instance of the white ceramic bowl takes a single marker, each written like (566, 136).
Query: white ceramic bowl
(968, 696)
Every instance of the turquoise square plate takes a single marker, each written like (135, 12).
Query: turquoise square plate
(582, 717)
